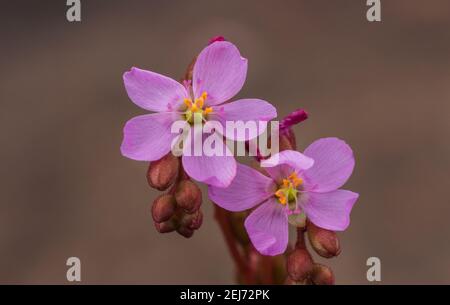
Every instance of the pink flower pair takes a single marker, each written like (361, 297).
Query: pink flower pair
(296, 183)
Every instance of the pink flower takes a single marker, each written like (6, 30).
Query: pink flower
(299, 183)
(218, 75)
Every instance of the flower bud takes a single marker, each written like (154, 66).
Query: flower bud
(299, 264)
(324, 242)
(163, 208)
(216, 38)
(188, 196)
(166, 226)
(322, 275)
(192, 221)
(295, 117)
(162, 173)
(186, 232)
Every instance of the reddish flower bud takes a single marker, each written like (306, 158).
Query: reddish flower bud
(295, 117)
(162, 173)
(188, 196)
(166, 226)
(216, 38)
(163, 208)
(192, 221)
(322, 275)
(299, 264)
(324, 242)
(186, 232)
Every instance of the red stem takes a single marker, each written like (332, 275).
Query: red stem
(224, 223)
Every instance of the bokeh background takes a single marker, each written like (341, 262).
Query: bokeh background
(66, 190)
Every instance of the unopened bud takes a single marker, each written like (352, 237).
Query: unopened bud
(216, 38)
(294, 118)
(324, 242)
(166, 226)
(188, 196)
(186, 232)
(162, 173)
(163, 208)
(322, 275)
(299, 264)
(192, 221)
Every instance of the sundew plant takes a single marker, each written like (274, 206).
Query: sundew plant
(254, 205)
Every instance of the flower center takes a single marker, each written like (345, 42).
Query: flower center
(194, 110)
(287, 192)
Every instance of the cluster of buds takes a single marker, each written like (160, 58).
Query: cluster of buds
(178, 209)
(301, 268)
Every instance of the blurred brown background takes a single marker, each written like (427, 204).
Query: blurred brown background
(67, 191)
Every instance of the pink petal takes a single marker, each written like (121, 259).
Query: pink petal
(216, 170)
(247, 189)
(220, 71)
(152, 91)
(148, 137)
(284, 163)
(333, 164)
(248, 111)
(267, 227)
(330, 210)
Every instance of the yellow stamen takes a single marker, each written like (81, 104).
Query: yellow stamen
(288, 189)
(200, 102)
(207, 110)
(188, 102)
(295, 180)
(298, 181)
(292, 176)
(281, 196)
(196, 108)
